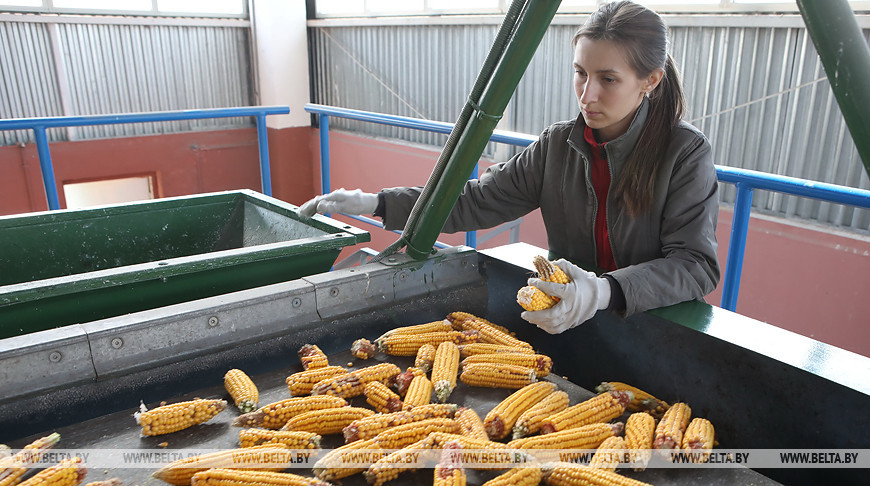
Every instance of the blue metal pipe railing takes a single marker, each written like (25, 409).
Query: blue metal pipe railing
(746, 182)
(39, 126)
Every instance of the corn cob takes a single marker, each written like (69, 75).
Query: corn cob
(382, 398)
(642, 401)
(240, 477)
(369, 427)
(449, 471)
(532, 298)
(584, 437)
(548, 271)
(336, 463)
(489, 334)
(70, 472)
(530, 421)
(470, 443)
(600, 408)
(471, 424)
(466, 350)
(408, 344)
(609, 454)
(434, 326)
(425, 357)
(457, 320)
(517, 476)
(568, 474)
(501, 419)
(177, 416)
(181, 471)
(639, 432)
(497, 376)
(404, 435)
(106, 482)
(699, 436)
(444, 370)
(242, 389)
(419, 393)
(390, 466)
(403, 379)
(294, 439)
(302, 382)
(326, 421)
(347, 385)
(276, 414)
(539, 362)
(312, 357)
(363, 349)
(12, 468)
(670, 429)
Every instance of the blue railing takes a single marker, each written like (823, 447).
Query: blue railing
(746, 182)
(39, 126)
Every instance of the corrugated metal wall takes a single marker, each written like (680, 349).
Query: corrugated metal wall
(759, 93)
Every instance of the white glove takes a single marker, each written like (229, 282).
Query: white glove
(353, 202)
(579, 299)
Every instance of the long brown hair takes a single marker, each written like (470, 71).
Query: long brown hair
(643, 37)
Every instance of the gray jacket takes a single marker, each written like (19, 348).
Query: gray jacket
(665, 256)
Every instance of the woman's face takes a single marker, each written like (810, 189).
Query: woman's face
(607, 88)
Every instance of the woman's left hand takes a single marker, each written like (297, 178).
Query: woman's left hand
(579, 300)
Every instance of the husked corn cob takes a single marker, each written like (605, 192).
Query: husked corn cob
(600, 408)
(404, 435)
(419, 393)
(497, 376)
(425, 357)
(583, 437)
(336, 464)
(384, 372)
(457, 319)
(449, 471)
(538, 362)
(403, 379)
(642, 401)
(180, 472)
(326, 421)
(293, 439)
(353, 384)
(408, 344)
(639, 433)
(434, 326)
(490, 334)
(177, 416)
(530, 421)
(302, 382)
(472, 425)
(70, 472)
(13, 467)
(369, 427)
(466, 350)
(548, 271)
(276, 414)
(532, 298)
(391, 465)
(501, 419)
(670, 429)
(242, 477)
(568, 474)
(243, 390)
(363, 349)
(312, 357)
(517, 476)
(382, 398)
(609, 454)
(444, 370)
(699, 436)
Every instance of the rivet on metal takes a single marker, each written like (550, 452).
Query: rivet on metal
(403, 276)
(333, 292)
(117, 342)
(55, 356)
(296, 302)
(213, 321)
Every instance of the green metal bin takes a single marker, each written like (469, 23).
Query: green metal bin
(72, 266)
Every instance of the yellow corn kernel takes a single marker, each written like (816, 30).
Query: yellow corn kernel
(369, 427)
(449, 471)
(292, 439)
(497, 376)
(466, 350)
(501, 419)
(336, 464)
(243, 477)
(391, 465)
(302, 382)
(69, 472)
(457, 319)
(539, 362)
(642, 401)
(419, 393)
(177, 416)
(492, 335)
(312, 357)
(568, 474)
(434, 326)
(444, 370)
(548, 271)
(13, 467)
(639, 432)
(609, 454)
(533, 299)
(699, 436)
(363, 349)
(517, 476)
(584, 437)
(382, 398)
(404, 435)
(242, 389)
(276, 414)
(600, 408)
(326, 421)
(180, 472)
(472, 425)
(670, 429)
(409, 344)
(425, 357)
(530, 421)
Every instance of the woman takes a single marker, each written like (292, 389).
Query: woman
(627, 187)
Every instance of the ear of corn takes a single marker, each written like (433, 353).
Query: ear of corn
(434, 326)
(517, 476)
(539, 362)
(369, 427)
(609, 454)
(449, 471)
(363, 349)
(584, 437)
(425, 357)
(180, 472)
(390, 466)
(177, 416)
(326, 421)
(567, 474)
(419, 393)
(69, 472)
(472, 425)
(276, 414)
(302, 382)
(466, 350)
(444, 370)
(532, 298)
(408, 344)
(353, 384)
(501, 419)
(642, 401)
(497, 376)
(548, 271)
(403, 379)
(292, 439)
(670, 429)
(382, 398)
(600, 408)
(404, 435)
(13, 467)
(243, 390)
(312, 357)
(639, 433)
(699, 436)
(242, 477)
(492, 335)
(334, 465)
(457, 319)
(530, 421)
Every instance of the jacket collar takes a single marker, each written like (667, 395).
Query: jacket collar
(618, 148)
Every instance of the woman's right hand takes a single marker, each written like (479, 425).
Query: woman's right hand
(354, 202)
